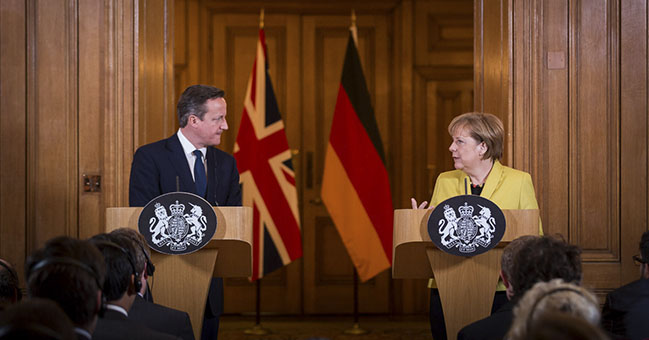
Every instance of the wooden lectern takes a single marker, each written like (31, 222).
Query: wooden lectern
(182, 281)
(466, 284)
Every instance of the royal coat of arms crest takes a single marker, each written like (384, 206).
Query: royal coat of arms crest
(469, 233)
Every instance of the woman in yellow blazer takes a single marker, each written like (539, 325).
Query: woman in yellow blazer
(477, 148)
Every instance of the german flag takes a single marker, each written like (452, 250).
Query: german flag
(355, 185)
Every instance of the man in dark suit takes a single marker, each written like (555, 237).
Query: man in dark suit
(625, 310)
(530, 260)
(152, 315)
(187, 162)
(120, 288)
(69, 272)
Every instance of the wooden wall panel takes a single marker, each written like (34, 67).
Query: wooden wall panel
(156, 117)
(634, 169)
(594, 143)
(52, 124)
(68, 103)
(13, 132)
(580, 126)
(91, 80)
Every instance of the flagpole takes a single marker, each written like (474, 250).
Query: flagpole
(356, 329)
(257, 329)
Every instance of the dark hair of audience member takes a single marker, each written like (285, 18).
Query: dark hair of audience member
(552, 326)
(73, 288)
(9, 285)
(118, 267)
(543, 259)
(35, 319)
(128, 239)
(644, 246)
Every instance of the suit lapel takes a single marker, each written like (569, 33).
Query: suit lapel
(492, 180)
(179, 161)
(212, 178)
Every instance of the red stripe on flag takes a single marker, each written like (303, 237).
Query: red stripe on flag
(364, 168)
(289, 177)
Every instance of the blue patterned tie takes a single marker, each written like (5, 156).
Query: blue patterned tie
(199, 174)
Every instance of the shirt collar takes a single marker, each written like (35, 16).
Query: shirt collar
(117, 308)
(188, 147)
(83, 332)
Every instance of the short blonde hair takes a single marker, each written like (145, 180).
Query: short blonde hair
(483, 127)
(552, 297)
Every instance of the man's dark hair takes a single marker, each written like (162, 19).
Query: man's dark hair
(35, 319)
(119, 267)
(544, 259)
(192, 102)
(68, 271)
(129, 240)
(9, 285)
(644, 246)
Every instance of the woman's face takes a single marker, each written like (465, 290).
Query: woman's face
(465, 150)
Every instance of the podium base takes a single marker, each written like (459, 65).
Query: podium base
(356, 330)
(256, 330)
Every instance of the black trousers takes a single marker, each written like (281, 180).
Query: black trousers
(436, 314)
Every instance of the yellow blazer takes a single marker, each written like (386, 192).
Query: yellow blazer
(508, 188)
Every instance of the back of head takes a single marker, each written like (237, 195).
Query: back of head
(35, 319)
(9, 285)
(564, 327)
(543, 259)
(552, 298)
(119, 266)
(193, 99)
(70, 272)
(510, 251)
(135, 241)
(644, 246)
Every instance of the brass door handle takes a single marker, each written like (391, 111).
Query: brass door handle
(316, 201)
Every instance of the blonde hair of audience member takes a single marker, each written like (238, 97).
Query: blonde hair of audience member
(552, 297)
(564, 327)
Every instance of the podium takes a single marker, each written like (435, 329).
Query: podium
(466, 284)
(182, 281)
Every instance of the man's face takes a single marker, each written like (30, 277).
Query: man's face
(208, 130)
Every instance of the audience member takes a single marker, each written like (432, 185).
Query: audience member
(70, 272)
(496, 325)
(35, 319)
(154, 316)
(555, 297)
(9, 286)
(543, 259)
(120, 288)
(626, 310)
(144, 256)
(551, 326)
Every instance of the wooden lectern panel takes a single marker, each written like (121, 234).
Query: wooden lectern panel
(182, 281)
(466, 284)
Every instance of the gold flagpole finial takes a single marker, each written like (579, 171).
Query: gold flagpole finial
(261, 19)
(353, 29)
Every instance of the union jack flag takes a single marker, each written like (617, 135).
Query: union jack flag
(266, 170)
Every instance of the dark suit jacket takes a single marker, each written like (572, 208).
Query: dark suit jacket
(115, 325)
(162, 319)
(623, 311)
(154, 171)
(492, 327)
